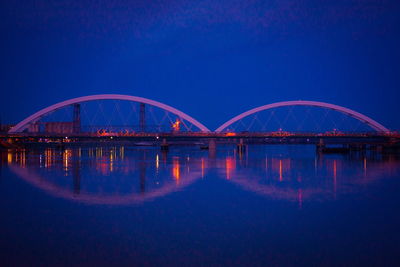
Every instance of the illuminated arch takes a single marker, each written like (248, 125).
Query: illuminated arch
(33, 118)
(370, 122)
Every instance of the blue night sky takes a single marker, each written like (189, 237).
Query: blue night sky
(211, 59)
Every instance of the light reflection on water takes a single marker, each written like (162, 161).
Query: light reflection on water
(133, 175)
(101, 175)
(140, 206)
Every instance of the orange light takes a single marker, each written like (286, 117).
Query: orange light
(9, 157)
(176, 172)
(66, 159)
(365, 165)
(104, 132)
(334, 169)
(230, 165)
(23, 158)
(112, 160)
(176, 126)
(230, 134)
(300, 198)
(157, 162)
(202, 167)
(49, 158)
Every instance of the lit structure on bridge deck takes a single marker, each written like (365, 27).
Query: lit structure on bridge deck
(176, 126)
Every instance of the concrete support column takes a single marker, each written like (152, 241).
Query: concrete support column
(212, 148)
(241, 146)
(164, 145)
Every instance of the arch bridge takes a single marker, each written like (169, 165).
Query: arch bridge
(202, 130)
(349, 112)
(75, 103)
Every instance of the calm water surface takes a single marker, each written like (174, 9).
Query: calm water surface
(138, 206)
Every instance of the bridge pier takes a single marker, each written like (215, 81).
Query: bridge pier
(212, 144)
(357, 147)
(320, 145)
(241, 147)
(164, 145)
(212, 148)
(322, 148)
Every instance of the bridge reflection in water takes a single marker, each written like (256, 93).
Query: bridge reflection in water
(131, 175)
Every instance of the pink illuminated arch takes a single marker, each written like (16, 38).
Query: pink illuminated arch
(33, 118)
(372, 123)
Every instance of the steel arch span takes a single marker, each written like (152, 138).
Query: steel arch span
(21, 126)
(367, 120)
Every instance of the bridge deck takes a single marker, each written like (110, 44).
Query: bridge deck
(22, 140)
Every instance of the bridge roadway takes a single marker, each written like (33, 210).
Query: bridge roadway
(368, 141)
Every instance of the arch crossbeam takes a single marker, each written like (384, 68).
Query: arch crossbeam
(367, 120)
(34, 117)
